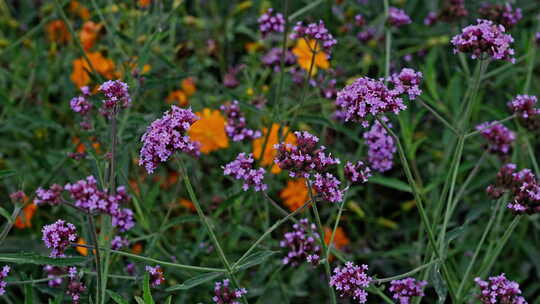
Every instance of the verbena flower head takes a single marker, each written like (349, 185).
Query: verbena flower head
(316, 31)
(302, 243)
(499, 290)
(52, 196)
(156, 275)
(431, 19)
(75, 286)
(119, 242)
(503, 181)
(80, 105)
(236, 126)
(224, 294)
(304, 157)
(18, 196)
(351, 281)
(524, 106)
(453, 10)
(272, 59)
(242, 168)
(357, 172)
(499, 138)
(271, 22)
(407, 81)
(503, 14)
(397, 17)
(58, 237)
(327, 186)
(54, 274)
(359, 20)
(116, 95)
(404, 290)
(3, 275)
(381, 148)
(167, 135)
(485, 39)
(123, 219)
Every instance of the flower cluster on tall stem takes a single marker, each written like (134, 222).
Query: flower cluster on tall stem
(499, 289)
(302, 244)
(58, 237)
(236, 126)
(351, 281)
(404, 290)
(242, 168)
(3, 275)
(224, 294)
(524, 106)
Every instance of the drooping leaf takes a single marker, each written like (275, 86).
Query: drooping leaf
(32, 258)
(195, 281)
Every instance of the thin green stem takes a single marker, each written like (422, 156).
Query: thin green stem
(406, 274)
(336, 224)
(438, 116)
(491, 257)
(381, 294)
(97, 256)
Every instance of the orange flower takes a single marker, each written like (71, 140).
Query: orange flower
(295, 194)
(89, 34)
(82, 250)
(135, 186)
(24, 220)
(78, 9)
(304, 55)
(188, 86)
(178, 97)
(340, 238)
(81, 148)
(187, 204)
(270, 151)
(103, 66)
(144, 3)
(57, 31)
(209, 131)
(137, 248)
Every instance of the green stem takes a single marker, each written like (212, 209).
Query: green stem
(96, 256)
(336, 224)
(381, 294)
(438, 116)
(491, 257)
(406, 274)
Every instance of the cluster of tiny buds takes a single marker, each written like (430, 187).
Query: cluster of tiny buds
(58, 237)
(75, 286)
(236, 126)
(302, 244)
(351, 281)
(397, 17)
(499, 289)
(316, 31)
(3, 275)
(156, 275)
(357, 172)
(242, 168)
(270, 22)
(404, 290)
(224, 294)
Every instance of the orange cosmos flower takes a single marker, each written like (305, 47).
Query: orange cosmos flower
(188, 86)
(295, 194)
(144, 3)
(340, 238)
(78, 9)
(209, 131)
(304, 56)
(269, 151)
(137, 248)
(187, 204)
(81, 250)
(89, 34)
(103, 66)
(24, 220)
(57, 31)
(178, 97)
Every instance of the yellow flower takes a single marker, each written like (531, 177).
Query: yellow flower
(304, 55)
(209, 131)
(270, 151)
(295, 194)
(57, 31)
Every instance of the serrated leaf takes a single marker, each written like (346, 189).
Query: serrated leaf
(391, 183)
(116, 297)
(195, 281)
(32, 258)
(256, 259)
(147, 295)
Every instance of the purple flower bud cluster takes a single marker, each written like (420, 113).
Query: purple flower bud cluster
(359, 20)
(156, 275)
(499, 290)
(407, 81)
(430, 19)
(242, 169)
(453, 10)
(358, 172)
(3, 274)
(75, 286)
(302, 244)
(270, 22)
(58, 236)
(54, 274)
(304, 157)
(52, 196)
(167, 135)
(537, 38)
(523, 185)
(351, 281)
(404, 290)
(327, 186)
(499, 138)
(381, 147)
(123, 219)
(17, 196)
(317, 31)
(366, 35)
(116, 96)
(80, 104)
(119, 242)
(272, 59)
(236, 123)
(503, 14)
(485, 39)
(223, 294)
(524, 106)
(397, 17)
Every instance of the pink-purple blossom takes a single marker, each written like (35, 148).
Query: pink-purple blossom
(116, 95)
(499, 289)
(80, 104)
(397, 17)
(58, 236)
(499, 138)
(225, 294)
(272, 59)
(271, 22)
(302, 244)
(75, 286)
(357, 172)
(404, 290)
(54, 274)
(242, 168)
(407, 81)
(503, 14)
(52, 196)
(119, 242)
(381, 147)
(524, 106)
(327, 185)
(351, 281)
(236, 126)
(316, 31)
(156, 275)
(3, 275)
(430, 19)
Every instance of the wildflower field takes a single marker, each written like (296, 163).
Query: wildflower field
(285, 151)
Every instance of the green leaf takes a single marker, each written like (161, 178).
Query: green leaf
(147, 296)
(169, 300)
(439, 284)
(5, 214)
(7, 173)
(139, 300)
(28, 294)
(391, 183)
(116, 297)
(32, 258)
(256, 259)
(195, 281)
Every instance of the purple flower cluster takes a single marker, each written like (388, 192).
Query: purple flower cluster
(272, 59)
(499, 290)
(52, 196)
(381, 147)
(223, 294)
(54, 274)
(407, 81)
(75, 286)
(242, 169)
(357, 173)
(119, 242)
(430, 19)
(3, 274)
(351, 281)
(302, 244)
(397, 17)
(523, 185)
(453, 10)
(524, 106)
(485, 39)
(17, 196)
(58, 236)
(502, 14)
(327, 186)
(236, 123)
(270, 22)
(499, 138)
(359, 20)
(156, 275)
(317, 31)
(80, 104)
(366, 35)
(116, 96)
(304, 157)
(167, 135)
(404, 290)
